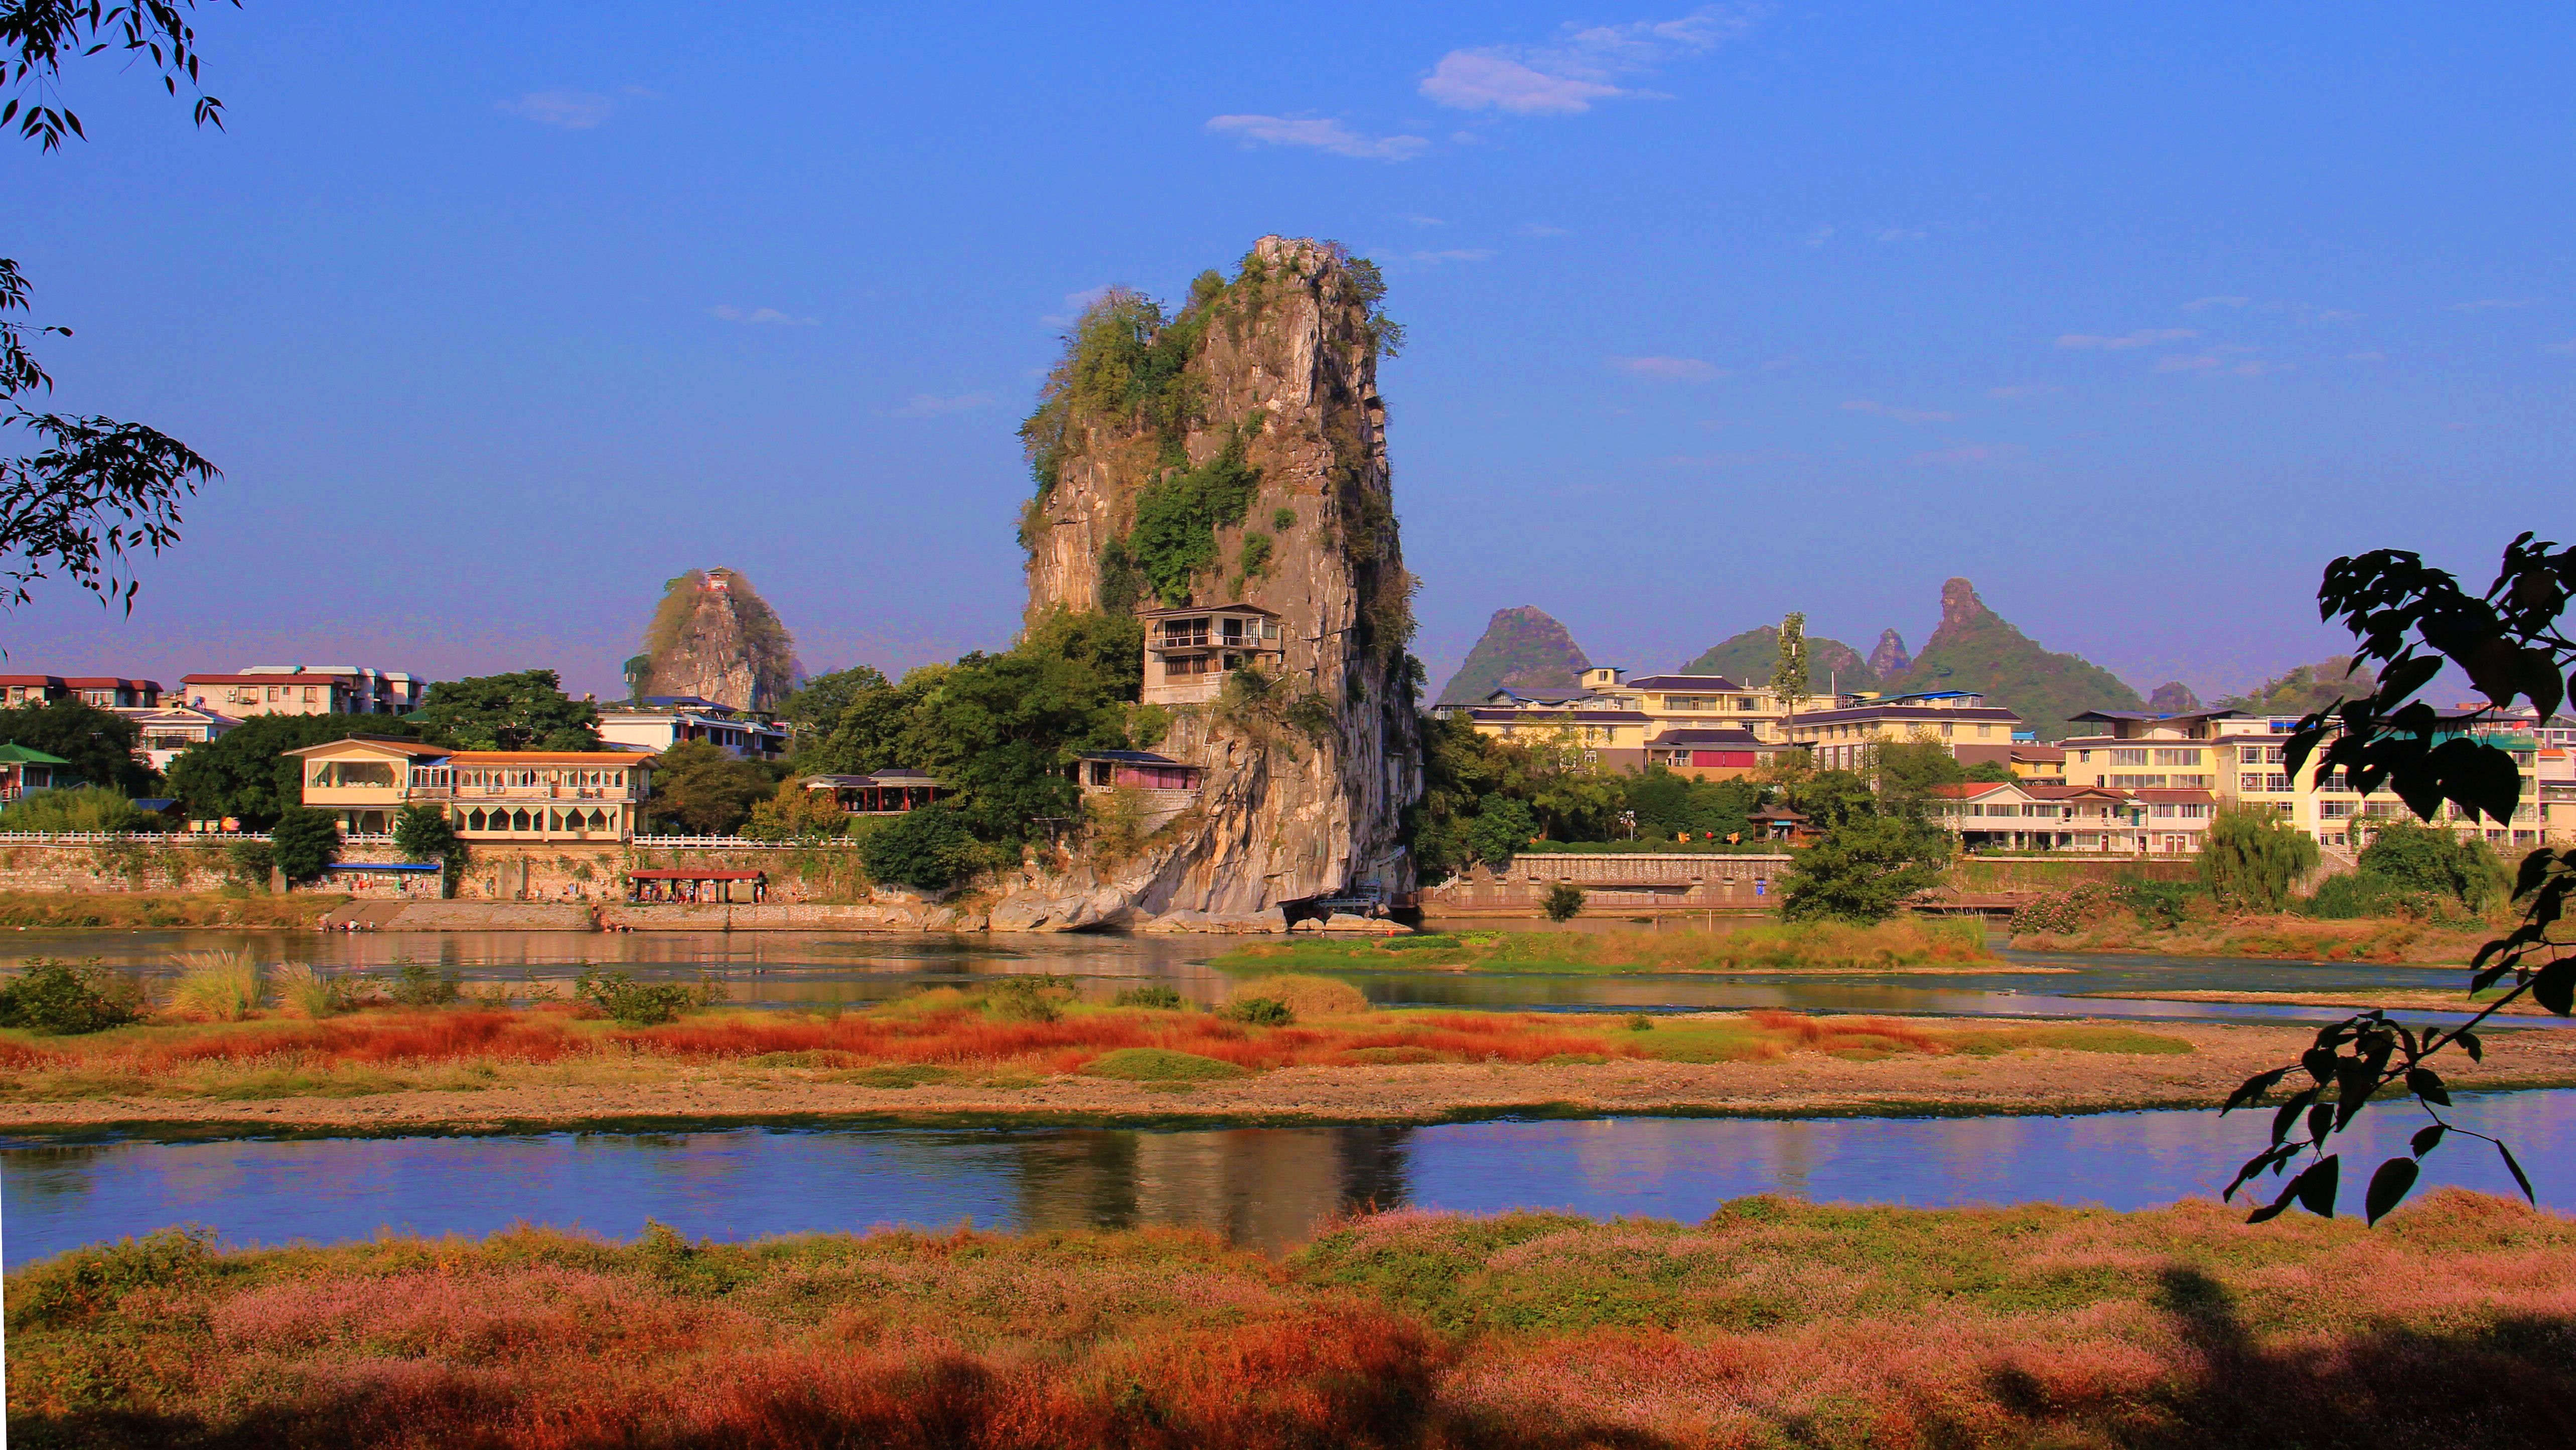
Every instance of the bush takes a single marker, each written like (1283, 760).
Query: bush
(423, 833)
(81, 808)
(1257, 1012)
(1305, 997)
(1025, 999)
(2362, 895)
(1157, 996)
(1563, 902)
(56, 999)
(304, 992)
(418, 985)
(644, 1004)
(218, 986)
(249, 862)
(2432, 862)
(304, 843)
(65, 1290)
(928, 848)
(1864, 869)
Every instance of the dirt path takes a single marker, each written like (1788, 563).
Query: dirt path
(2022, 1081)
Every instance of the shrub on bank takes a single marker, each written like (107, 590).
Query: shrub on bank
(217, 986)
(57, 999)
(631, 1003)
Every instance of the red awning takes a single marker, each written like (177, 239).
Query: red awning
(688, 874)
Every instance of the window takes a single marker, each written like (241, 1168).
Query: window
(2128, 757)
(2194, 810)
(2177, 757)
(1184, 633)
(1744, 702)
(2162, 811)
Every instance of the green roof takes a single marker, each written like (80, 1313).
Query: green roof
(14, 754)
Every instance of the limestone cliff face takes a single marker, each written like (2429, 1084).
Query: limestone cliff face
(714, 638)
(1302, 797)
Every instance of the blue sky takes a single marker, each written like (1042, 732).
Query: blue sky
(498, 316)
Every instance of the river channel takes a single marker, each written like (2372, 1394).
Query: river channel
(1268, 1187)
(796, 969)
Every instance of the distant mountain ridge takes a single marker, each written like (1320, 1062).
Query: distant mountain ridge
(1749, 658)
(1977, 649)
(1521, 649)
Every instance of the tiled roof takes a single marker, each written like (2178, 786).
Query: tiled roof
(1708, 684)
(1715, 738)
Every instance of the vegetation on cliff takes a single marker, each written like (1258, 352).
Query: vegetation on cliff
(2305, 689)
(1521, 649)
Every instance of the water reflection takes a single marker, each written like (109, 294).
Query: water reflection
(1267, 1187)
(795, 969)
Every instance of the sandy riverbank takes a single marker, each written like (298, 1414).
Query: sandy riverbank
(2021, 1080)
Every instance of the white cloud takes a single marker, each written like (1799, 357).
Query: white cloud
(1970, 455)
(1902, 234)
(929, 405)
(2230, 361)
(770, 315)
(1539, 229)
(1669, 369)
(2567, 346)
(571, 110)
(2376, 356)
(1583, 65)
(1454, 254)
(1901, 415)
(1428, 221)
(2016, 391)
(1076, 304)
(1319, 132)
(2203, 304)
(2143, 337)
(2493, 304)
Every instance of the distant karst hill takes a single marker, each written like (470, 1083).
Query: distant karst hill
(1522, 649)
(1976, 649)
(1749, 658)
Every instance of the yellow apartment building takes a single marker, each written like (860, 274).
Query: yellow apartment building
(1627, 724)
(1842, 737)
(488, 795)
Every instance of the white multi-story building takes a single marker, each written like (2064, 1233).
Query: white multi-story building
(659, 722)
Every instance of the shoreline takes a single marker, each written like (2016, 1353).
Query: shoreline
(2024, 1081)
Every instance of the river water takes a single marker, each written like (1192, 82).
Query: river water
(815, 969)
(1269, 1186)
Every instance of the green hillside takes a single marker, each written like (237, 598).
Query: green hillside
(1523, 649)
(1976, 649)
(1748, 658)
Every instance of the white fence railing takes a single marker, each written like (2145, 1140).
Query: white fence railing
(101, 838)
(730, 843)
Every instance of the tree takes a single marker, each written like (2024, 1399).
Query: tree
(793, 813)
(816, 705)
(2411, 619)
(83, 808)
(2423, 858)
(1789, 677)
(930, 849)
(2250, 858)
(1563, 902)
(705, 791)
(1501, 827)
(99, 743)
(524, 711)
(1865, 869)
(423, 833)
(1833, 798)
(247, 774)
(1906, 771)
(304, 843)
(95, 492)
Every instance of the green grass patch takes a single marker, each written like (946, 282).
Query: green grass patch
(1995, 1041)
(895, 1075)
(1160, 1065)
(1776, 947)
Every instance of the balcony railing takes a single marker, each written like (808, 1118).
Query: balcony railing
(522, 793)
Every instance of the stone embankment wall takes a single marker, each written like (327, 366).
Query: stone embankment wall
(1636, 883)
(579, 874)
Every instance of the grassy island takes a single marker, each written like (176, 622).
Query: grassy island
(1772, 1323)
